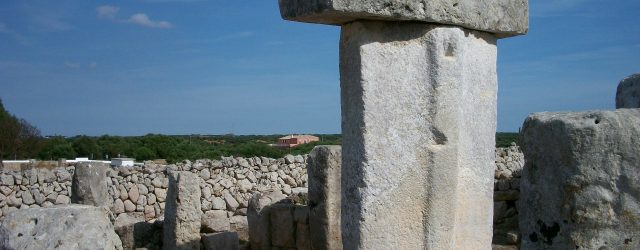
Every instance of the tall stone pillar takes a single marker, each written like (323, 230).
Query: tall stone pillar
(182, 215)
(323, 169)
(418, 89)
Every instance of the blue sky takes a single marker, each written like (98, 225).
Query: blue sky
(215, 67)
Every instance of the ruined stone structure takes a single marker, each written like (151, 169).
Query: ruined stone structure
(137, 224)
(418, 89)
(579, 186)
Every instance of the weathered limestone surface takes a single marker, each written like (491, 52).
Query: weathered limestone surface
(418, 125)
(580, 187)
(89, 185)
(220, 241)
(258, 216)
(183, 214)
(324, 168)
(502, 17)
(628, 95)
(62, 227)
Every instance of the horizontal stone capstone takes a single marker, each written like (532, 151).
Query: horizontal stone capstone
(504, 18)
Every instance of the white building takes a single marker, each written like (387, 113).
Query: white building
(122, 162)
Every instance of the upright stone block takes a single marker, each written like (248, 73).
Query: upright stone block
(323, 173)
(502, 17)
(418, 127)
(182, 216)
(418, 116)
(580, 187)
(89, 185)
(258, 216)
(628, 94)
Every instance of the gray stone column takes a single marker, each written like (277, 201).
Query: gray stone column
(323, 169)
(418, 89)
(182, 215)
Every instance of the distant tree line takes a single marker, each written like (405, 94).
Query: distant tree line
(21, 140)
(18, 138)
(172, 148)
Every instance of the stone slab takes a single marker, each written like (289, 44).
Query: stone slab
(60, 227)
(89, 185)
(580, 187)
(504, 18)
(183, 214)
(628, 94)
(220, 241)
(418, 127)
(324, 180)
(258, 217)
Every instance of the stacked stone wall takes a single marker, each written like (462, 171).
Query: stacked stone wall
(227, 185)
(509, 164)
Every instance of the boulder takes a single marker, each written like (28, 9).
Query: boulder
(89, 185)
(213, 224)
(628, 94)
(61, 227)
(580, 187)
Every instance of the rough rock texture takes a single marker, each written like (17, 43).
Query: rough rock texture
(509, 163)
(89, 185)
(259, 220)
(182, 217)
(324, 166)
(62, 227)
(236, 180)
(135, 232)
(581, 182)
(502, 17)
(628, 95)
(418, 125)
(220, 241)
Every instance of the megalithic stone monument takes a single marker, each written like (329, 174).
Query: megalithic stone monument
(418, 89)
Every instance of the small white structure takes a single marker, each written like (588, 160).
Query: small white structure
(122, 162)
(82, 159)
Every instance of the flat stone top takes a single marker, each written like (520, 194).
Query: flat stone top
(504, 18)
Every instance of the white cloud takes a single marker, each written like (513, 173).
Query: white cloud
(107, 11)
(144, 20)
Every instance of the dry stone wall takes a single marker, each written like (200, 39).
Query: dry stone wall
(509, 164)
(227, 186)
